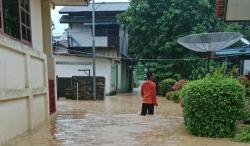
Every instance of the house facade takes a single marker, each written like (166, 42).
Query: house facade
(233, 10)
(27, 77)
(111, 43)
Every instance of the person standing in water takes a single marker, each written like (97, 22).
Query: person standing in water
(148, 93)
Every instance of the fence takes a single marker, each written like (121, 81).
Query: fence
(81, 87)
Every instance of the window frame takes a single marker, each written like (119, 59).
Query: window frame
(21, 40)
(1, 17)
(100, 31)
(21, 24)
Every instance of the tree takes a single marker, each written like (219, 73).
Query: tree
(155, 26)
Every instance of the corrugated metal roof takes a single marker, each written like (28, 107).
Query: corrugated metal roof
(70, 2)
(233, 51)
(100, 7)
(82, 19)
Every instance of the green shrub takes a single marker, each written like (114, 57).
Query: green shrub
(170, 94)
(165, 85)
(243, 136)
(246, 83)
(174, 96)
(213, 105)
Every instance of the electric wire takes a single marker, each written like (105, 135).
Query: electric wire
(148, 59)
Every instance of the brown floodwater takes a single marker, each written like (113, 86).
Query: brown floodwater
(115, 122)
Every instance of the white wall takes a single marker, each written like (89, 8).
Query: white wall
(23, 81)
(36, 24)
(13, 118)
(246, 66)
(37, 72)
(103, 68)
(238, 10)
(8, 61)
(83, 35)
(23, 77)
(39, 104)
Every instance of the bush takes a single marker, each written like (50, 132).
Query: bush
(213, 105)
(243, 136)
(179, 84)
(165, 86)
(246, 83)
(170, 94)
(174, 96)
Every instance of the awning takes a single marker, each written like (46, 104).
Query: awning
(233, 52)
(70, 2)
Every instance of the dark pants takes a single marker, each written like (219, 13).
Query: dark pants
(147, 109)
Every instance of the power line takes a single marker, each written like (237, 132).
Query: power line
(149, 59)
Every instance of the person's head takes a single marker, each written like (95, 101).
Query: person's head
(150, 76)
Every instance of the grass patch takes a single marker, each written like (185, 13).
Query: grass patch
(243, 135)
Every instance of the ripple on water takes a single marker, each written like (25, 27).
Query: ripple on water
(123, 129)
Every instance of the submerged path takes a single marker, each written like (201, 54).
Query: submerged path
(115, 122)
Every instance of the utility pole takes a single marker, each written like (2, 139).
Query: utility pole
(93, 52)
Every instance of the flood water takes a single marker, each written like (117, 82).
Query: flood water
(115, 122)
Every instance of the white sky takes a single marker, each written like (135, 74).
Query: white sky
(59, 28)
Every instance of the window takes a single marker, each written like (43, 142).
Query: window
(16, 19)
(10, 18)
(1, 16)
(25, 20)
(100, 30)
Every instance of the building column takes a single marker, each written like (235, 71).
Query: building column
(48, 50)
(28, 85)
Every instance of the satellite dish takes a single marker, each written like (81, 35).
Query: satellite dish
(245, 41)
(210, 42)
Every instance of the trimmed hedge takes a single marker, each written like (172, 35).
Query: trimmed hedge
(213, 106)
(165, 86)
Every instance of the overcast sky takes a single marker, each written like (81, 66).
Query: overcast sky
(59, 28)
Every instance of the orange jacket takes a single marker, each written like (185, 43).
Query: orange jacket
(148, 92)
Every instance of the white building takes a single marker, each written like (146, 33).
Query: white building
(27, 64)
(233, 10)
(111, 45)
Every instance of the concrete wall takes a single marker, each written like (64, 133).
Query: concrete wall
(103, 69)
(23, 88)
(238, 10)
(83, 35)
(36, 24)
(23, 81)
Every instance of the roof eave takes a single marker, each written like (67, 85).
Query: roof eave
(70, 2)
(87, 12)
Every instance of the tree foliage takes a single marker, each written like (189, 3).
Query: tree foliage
(155, 26)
